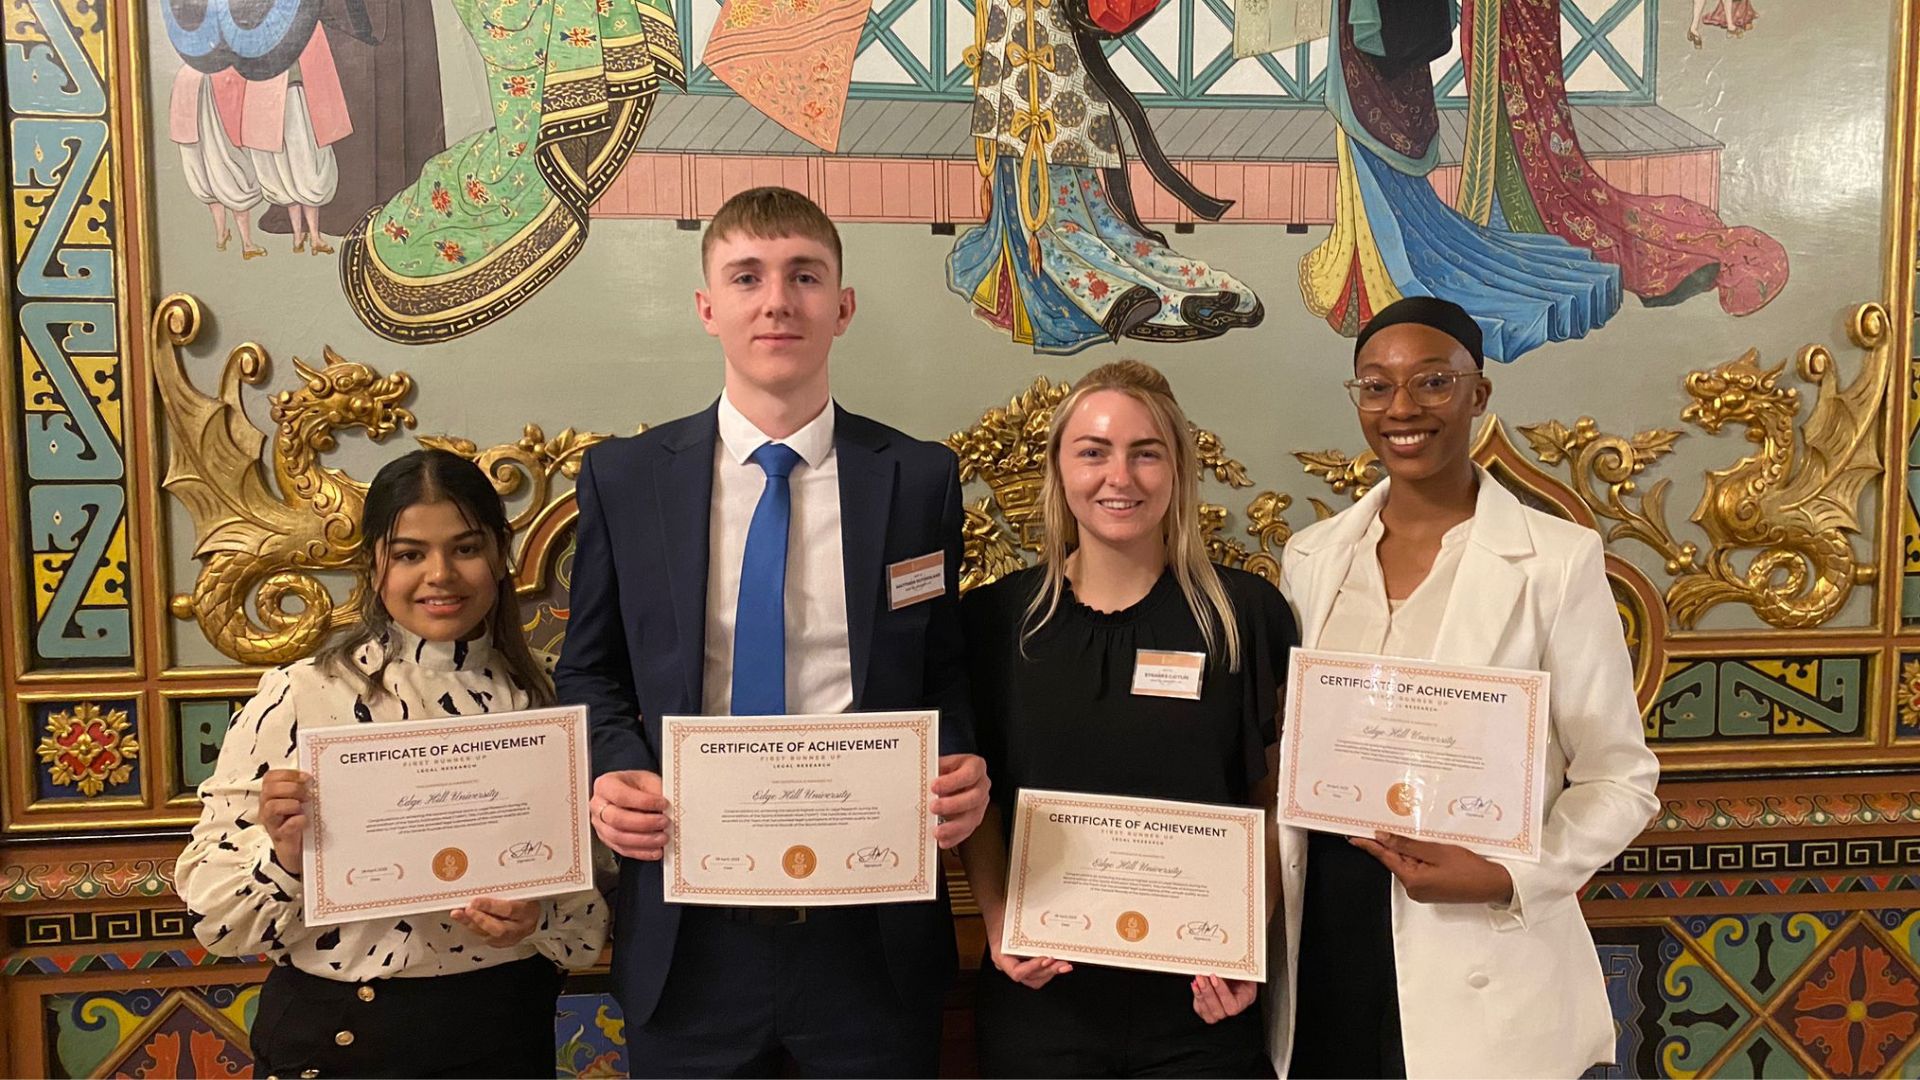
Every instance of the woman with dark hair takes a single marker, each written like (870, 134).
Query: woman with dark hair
(1403, 957)
(466, 994)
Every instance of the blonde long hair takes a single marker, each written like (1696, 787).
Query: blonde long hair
(1180, 529)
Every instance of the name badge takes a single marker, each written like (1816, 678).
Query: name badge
(913, 580)
(1168, 674)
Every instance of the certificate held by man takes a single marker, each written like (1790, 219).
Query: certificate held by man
(425, 815)
(800, 811)
(1437, 752)
(1138, 883)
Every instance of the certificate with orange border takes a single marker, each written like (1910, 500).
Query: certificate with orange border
(800, 811)
(425, 815)
(1138, 883)
(1439, 752)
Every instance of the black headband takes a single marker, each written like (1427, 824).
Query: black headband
(1443, 315)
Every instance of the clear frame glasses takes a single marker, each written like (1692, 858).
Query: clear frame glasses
(1428, 389)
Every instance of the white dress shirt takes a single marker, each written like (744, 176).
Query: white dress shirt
(819, 665)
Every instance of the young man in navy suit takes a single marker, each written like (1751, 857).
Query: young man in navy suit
(736, 562)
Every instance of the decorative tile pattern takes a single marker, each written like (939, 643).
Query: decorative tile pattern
(65, 298)
(1829, 994)
(87, 749)
(197, 1031)
(1748, 701)
(590, 1037)
(199, 725)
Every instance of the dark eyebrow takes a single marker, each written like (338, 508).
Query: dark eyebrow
(468, 535)
(746, 263)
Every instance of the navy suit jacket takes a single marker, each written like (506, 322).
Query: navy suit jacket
(636, 640)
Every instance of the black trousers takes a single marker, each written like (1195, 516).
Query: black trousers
(1346, 1019)
(743, 996)
(1101, 1021)
(497, 1021)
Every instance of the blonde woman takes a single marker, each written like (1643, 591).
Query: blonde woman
(1053, 651)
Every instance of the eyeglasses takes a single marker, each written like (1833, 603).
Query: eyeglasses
(1434, 388)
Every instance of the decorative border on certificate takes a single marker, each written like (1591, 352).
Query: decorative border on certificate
(1250, 965)
(579, 867)
(1531, 684)
(920, 726)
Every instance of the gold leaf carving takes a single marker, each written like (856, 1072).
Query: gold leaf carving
(1789, 510)
(1352, 477)
(259, 539)
(532, 462)
(89, 749)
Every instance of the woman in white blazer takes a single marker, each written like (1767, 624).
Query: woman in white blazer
(1406, 958)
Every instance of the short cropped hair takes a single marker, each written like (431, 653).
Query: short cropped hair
(770, 213)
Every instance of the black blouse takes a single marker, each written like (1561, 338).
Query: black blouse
(1063, 715)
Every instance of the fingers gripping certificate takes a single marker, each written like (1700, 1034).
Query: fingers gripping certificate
(1433, 751)
(800, 810)
(424, 815)
(1138, 883)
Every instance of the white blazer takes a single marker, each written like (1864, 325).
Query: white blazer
(1487, 990)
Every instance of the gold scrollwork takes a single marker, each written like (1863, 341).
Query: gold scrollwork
(1007, 449)
(1793, 503)
(1352, 477)
(88, 748)
(533, 461)
(252, 542)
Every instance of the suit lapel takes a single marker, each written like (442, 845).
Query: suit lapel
(1486, 591)
(866, 505)
(683, 481)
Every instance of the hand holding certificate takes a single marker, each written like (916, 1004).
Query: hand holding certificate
(801, 810)
(1138, 883)
(1432, 751)
(425, 815)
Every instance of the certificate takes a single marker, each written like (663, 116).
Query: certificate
(800, 811)
(425, 815)
(1138, 883)
(1433, 751)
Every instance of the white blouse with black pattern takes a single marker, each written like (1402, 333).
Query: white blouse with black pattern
(250, 904)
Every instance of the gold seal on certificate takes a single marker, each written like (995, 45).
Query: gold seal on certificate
(425, 815)
(801, 811)
(1138, 883)
(1434, 751)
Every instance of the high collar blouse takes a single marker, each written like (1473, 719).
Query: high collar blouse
(250, 904)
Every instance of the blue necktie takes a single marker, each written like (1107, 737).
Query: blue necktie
(760, 620)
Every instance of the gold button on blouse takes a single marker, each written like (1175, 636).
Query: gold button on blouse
(310, 1074)
(365, 992)
(344, 1038)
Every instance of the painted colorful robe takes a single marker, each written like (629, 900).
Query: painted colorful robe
(498, 215)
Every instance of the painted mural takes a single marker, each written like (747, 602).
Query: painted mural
(1522, 226)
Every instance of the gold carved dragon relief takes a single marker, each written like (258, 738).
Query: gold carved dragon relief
(1778, 523)
(1007, 450)
(261, 543)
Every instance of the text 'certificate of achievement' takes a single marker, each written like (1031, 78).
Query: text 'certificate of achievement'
(801, 811)
(1139, 883)
(1438, 752)
(425, 815)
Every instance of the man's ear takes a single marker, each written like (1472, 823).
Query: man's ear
(703, 307)
(847, 305)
